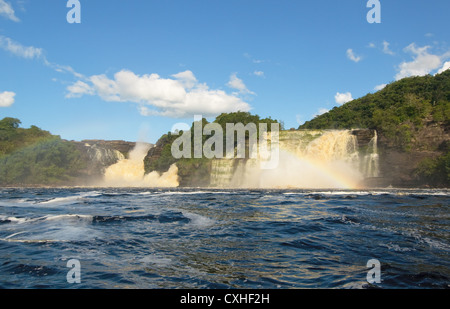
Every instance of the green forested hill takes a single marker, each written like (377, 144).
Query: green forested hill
(412, 116)
(12, 137)
(35, 157)
(405, 104)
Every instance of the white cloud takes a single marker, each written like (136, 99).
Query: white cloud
(259, 73)
(27, 52)
(321, 111)
(63, 69)
(422, 64)
(79, 89)
(187, 78)
(386, 49)
(299, 119)
(6, 98)
(250, 57)
(31, 52)
(7, 11)
(181, 97)
(238, 84)
(342, 98)
(445, 67)
(352, 56)
(380, 87)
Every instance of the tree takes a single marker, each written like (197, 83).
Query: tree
(9, 123)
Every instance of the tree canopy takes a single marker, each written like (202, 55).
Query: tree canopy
(34, 156)
(196, 169)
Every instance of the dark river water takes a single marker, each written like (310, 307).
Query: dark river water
(215, 239)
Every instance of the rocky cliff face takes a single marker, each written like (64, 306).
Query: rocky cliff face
(398, 167)
(121, 146)
(100, 154)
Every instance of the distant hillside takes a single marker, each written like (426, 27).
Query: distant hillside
(412, 118)
(34, 157)
(12, 137)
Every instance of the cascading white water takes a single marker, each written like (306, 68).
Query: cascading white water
(131, 173)
(371, 159)
(308, 159)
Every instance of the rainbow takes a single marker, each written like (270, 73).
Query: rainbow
(337, 178)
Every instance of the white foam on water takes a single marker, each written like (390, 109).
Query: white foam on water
(156, 259)
(14, 219)
(65, 217)
(397, 248)
(403, 192)
(87, 218)
(361, 193)
(57, 201)
(198, 220)
(194, 192)
(16, 203)
(69, 199)
(49, 228)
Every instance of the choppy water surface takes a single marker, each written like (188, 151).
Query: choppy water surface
(202, 238)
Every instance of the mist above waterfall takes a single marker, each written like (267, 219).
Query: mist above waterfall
(295, 172)
(131, 173)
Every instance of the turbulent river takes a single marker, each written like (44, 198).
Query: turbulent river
(214, 239)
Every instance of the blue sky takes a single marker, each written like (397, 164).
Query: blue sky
(133, 69)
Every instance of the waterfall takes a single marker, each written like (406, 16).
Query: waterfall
(131, 173)
(308, 159)
(103, 156)
(223, 171)
(370, 162)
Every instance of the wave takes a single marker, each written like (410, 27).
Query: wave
(88, 218)
(69, 199)
(5, 219)
(18, 220)
(169, 216)
(339, 193)
(16, 202)
(196, 192)
(414, 193)
(198, 220)
(119, 218)
(56, 201)
(33, 241)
